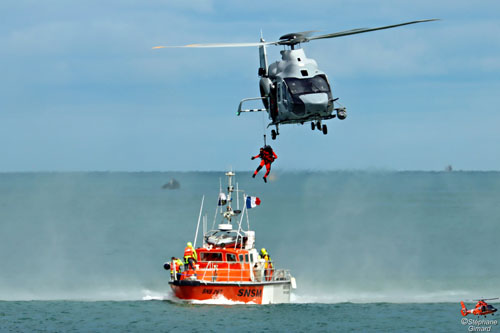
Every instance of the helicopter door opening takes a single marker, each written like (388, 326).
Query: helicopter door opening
(279, 92)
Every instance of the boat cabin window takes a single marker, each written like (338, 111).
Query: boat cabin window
(241, 258)
(251, 257)
(317, 84)
(211, 256)
(231, 257)
(246, 257)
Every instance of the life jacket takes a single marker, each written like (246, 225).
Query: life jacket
(268, 154)
(189, 253)
(176, 266)
(267, 263)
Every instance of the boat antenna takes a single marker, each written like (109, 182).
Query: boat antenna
(198, 225)
(217, 207)
(237, 197)
(220, 191)
(239, 227)
(204, 225)
(248, 221)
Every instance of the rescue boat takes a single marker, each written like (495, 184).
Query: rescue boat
(229, 266)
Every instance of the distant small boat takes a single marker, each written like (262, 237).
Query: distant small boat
(448, 168)
(173, 184)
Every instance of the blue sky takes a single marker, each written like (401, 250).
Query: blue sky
(82, 90)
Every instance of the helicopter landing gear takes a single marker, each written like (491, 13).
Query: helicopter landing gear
(318, 125)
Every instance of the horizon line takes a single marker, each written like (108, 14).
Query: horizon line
(250, 170)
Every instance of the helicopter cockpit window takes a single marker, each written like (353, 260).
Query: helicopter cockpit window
(317, 84)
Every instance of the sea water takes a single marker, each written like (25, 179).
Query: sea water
(371, 251)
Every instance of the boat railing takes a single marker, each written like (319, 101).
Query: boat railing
(281, 275)
(212, 271)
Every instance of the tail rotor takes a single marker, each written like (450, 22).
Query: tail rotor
(464, 309)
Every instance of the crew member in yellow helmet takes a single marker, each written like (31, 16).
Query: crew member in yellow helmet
(175, 268)
(190, 257)
(268, 265)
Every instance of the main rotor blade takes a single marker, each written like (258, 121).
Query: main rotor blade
(217, 45)
(362, 30)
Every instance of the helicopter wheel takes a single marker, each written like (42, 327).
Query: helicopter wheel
(325, 129)
(313, 126)
(318, 125)
(273, 134)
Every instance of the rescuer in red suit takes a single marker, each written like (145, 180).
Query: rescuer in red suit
(267, 156)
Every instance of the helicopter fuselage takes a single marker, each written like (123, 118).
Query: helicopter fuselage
(298, 90)
(294, 91)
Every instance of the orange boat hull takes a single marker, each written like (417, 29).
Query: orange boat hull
(245, 293)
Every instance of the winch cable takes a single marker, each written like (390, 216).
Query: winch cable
(264, 127)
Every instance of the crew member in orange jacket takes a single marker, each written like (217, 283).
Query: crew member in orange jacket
(267, 156)
(190, 257)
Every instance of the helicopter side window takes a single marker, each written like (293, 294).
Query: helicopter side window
(279, 92)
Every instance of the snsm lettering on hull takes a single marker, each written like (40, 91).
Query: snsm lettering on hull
(249, 293)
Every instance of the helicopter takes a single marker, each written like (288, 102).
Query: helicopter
(294, 90)
(482, 308)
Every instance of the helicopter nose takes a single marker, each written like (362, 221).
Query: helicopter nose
(315, 103)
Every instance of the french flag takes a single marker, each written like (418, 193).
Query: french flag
(252, 202)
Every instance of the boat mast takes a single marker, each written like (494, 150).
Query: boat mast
(229, 213)
(230, 188)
